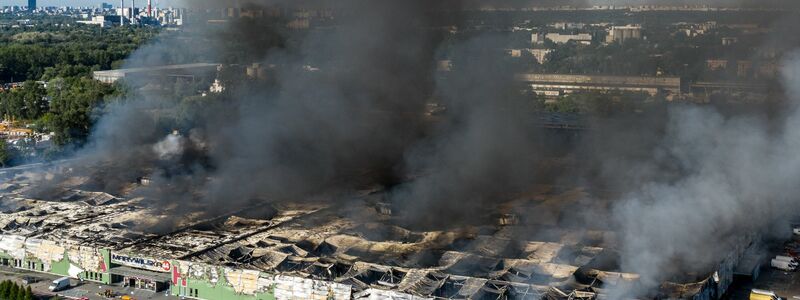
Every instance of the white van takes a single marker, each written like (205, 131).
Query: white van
(783, 265)
(59, 284)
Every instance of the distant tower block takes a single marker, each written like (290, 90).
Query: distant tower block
(150, 8)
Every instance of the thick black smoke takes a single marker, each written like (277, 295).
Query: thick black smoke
(344, 107)
(483, 152)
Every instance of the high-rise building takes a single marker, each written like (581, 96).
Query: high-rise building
(31, 5)
(149, 8)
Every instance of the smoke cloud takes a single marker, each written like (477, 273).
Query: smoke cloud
(485, 152)
(170, 146)
(340, 103)
(738, 176)
(346, 107)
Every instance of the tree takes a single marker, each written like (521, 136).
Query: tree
(26, 103)
(12, 105)
(568, 104)
(12, 295)
(5, 158)
(33, 97)
(30, 54)
(5, 288)
(27, 294)
(72, 107)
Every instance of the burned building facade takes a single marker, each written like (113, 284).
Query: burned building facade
(318, 251)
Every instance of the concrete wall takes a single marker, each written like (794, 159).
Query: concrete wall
(218, 290)
(189, 279)
(215, 282)
(205, 281)
(51, 257)
(210, 282)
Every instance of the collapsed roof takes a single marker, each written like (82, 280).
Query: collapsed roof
(359, 245)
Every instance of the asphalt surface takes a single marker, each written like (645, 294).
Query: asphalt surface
(77, 289)
(785, 284)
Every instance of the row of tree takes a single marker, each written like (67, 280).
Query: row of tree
(603, 104)
(65, 107)
(28, 102)
(58, 51)
(10, 290)
(55, 63)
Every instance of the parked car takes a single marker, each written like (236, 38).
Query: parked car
(28, 280)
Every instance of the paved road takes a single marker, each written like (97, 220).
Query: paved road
(785, 284)
(78, 289)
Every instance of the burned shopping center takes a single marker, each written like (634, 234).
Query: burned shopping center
(417, 149)
(317, 250)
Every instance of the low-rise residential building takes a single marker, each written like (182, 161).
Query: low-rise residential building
(581, 38)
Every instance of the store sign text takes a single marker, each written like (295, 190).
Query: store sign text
(140, 262)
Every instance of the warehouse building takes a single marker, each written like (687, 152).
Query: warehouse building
(190, 71)
(561, 83)
(312, 250)
(621, 34)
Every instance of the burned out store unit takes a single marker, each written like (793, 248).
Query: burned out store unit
(354, 252)
(140, 272)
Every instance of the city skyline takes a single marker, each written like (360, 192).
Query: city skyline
(44, 3)
(725, 3)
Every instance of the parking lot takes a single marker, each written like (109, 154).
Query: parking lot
(77, 289)
(785, 284)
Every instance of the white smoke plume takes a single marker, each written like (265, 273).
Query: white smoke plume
(740, 176)
(171, 146)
